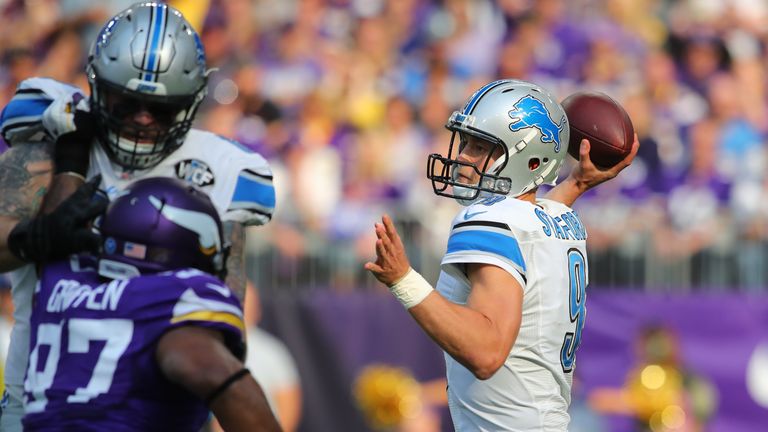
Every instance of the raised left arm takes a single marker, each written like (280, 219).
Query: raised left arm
(252, 204)
(480, 334)
(586, 175)
(234, 233)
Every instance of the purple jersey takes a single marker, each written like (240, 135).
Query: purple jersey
(92, 349)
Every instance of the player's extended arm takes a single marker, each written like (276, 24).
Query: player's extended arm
(197, 359)
(585, 175)
(478, 335)
(25, 174)
(234, 232)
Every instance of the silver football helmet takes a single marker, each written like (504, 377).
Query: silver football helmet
(146, 58)
(527, 123)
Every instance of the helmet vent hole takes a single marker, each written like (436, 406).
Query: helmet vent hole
(546, 160)
(533, 163)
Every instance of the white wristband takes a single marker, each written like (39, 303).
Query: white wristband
(411, 289)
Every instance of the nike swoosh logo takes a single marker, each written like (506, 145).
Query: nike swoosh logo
(471, 215)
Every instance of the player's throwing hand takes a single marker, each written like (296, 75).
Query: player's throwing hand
(589, 175)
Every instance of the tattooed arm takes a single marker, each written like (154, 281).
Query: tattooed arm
(25, 175)
(234, 233)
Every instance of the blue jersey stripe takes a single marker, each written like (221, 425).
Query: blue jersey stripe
(17, 108)
(248, 189)
(487, 241)
(153, 61)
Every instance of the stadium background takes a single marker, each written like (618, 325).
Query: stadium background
(346, 98)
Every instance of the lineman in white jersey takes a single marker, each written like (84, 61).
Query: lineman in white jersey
(147, 75)
(509, 307)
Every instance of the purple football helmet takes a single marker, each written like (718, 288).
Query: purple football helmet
(160, 224)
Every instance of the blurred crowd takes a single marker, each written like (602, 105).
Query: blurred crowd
(346, 98)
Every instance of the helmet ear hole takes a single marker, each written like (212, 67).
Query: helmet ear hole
(533, 163)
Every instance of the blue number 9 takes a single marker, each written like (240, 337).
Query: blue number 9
(577, 281)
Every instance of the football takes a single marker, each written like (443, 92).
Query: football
(601, 120)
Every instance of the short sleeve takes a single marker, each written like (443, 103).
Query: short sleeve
(486, 242)
(22, 117)
(253, 198)
(206, 302)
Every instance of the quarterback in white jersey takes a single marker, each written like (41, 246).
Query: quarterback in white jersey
(509, 307)
(542, 245)
(148, 76)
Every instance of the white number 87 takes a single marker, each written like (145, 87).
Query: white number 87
(116, 332)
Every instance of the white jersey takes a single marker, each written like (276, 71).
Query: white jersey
(238, 181)
(543, 246)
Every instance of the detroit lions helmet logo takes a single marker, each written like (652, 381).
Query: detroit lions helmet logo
(531, 112)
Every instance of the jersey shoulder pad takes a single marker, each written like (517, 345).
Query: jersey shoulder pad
(552, 206)
(188, 297)
(243, 179)
(204, 298)
(215, 144)
(222, 153)
(254, 192)
(510, 213)
(486, 234)
(21, 119)
(208, 302)
(253, 197)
